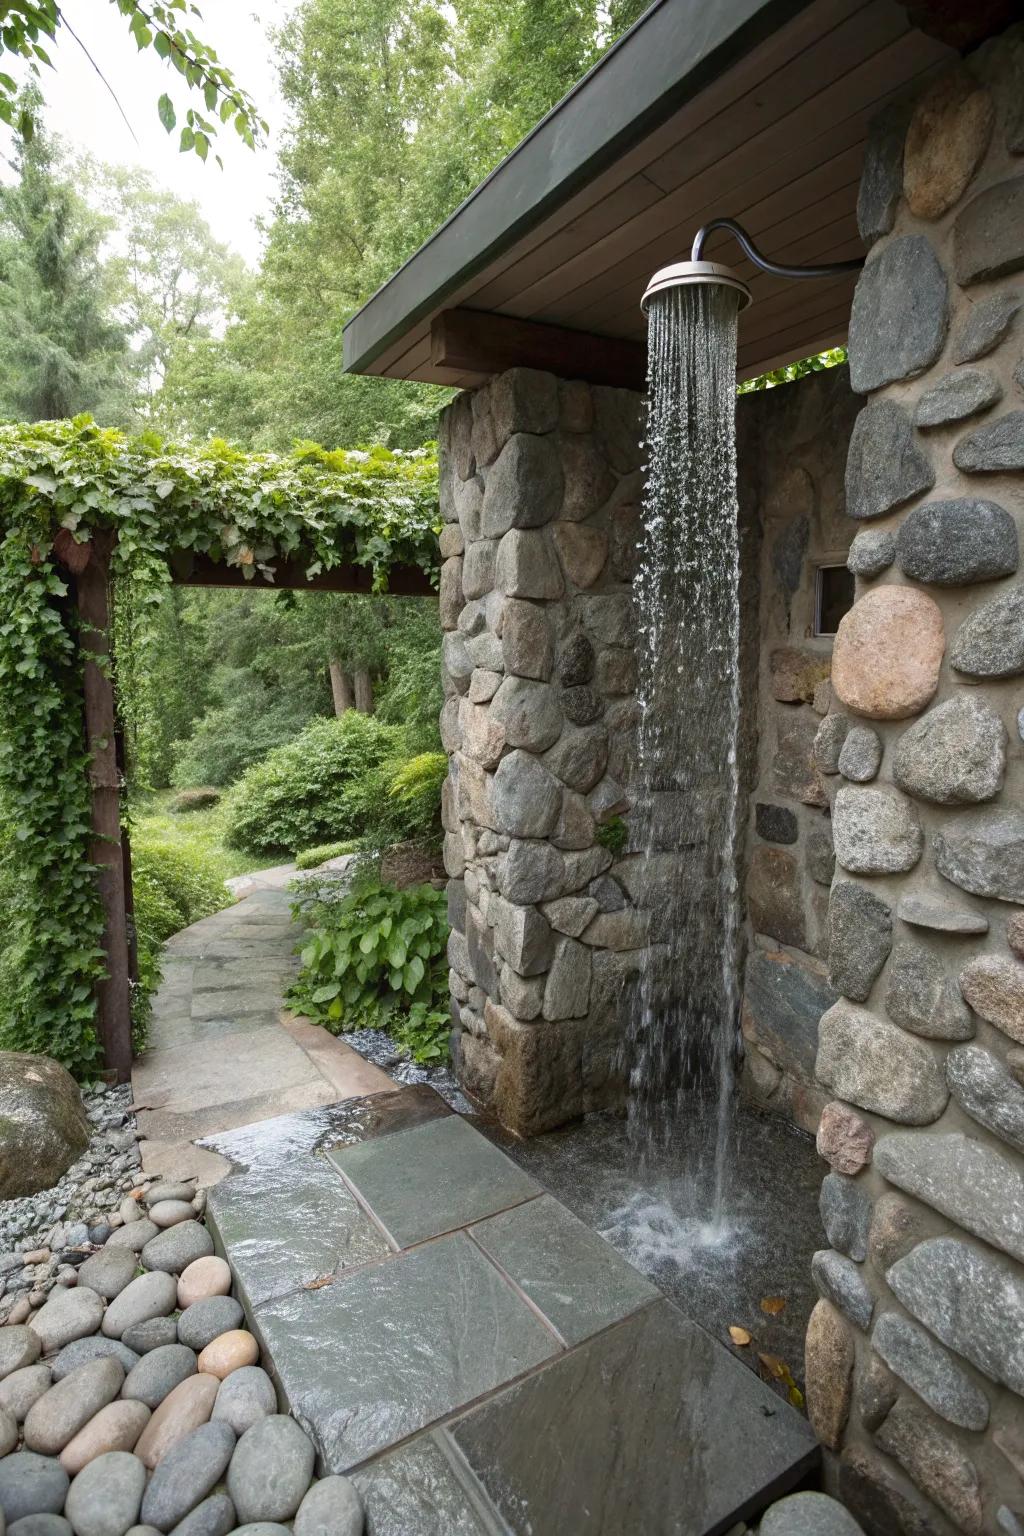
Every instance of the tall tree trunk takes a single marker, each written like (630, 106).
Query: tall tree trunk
(364, 691)
(341, 688)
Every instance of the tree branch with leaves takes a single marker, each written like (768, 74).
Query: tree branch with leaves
(27, 26)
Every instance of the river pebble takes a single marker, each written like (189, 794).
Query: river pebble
(206, 1320)
(135, 1236)
(151, 1295)
(245, 1397)
(40, 1525)
(156, 1194)
(18, 1347)
(229, 1352)
(31, 1485)
(96, 1347)
(60, 1413)
(66, 1316)
(205, 1278)
(271, 1469)
(188, 1472)
(158, 1373)
(23, 1388)
(181, 1411)
(215, 1516)
(109, 1271)
(116, 1427)
(154, 1333)
(178, 1247)
(167, 1213)
(8, 1431)
(105, 1497)
(332, 1507)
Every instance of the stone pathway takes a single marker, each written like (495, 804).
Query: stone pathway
(222, 1053)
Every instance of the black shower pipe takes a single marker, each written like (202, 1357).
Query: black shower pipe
(776, 268)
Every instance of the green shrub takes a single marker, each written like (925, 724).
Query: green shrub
(415, 793)
(232, 737)
(173, 887)
(325, 786)
(189, 800)
(375, 957)
(309, 858)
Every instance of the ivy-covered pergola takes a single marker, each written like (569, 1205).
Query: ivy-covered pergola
(86, 513)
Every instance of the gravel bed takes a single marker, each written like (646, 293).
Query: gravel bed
(81, 1209)
(379, 1047)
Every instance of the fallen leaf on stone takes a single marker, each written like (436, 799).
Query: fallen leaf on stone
(773, 1305)
(314, 1285)
(774, 1366)
(796, 1397)
(739, 1335)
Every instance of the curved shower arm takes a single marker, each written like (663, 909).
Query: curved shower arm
(777, 269)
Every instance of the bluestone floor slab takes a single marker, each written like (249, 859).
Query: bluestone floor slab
(290, 1226)
(573, 1276)
(650, 1427)
(269, 1143)
(440, 1176)
(395, 1347)
(415, 1491)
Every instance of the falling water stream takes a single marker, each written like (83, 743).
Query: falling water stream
(684, 1027)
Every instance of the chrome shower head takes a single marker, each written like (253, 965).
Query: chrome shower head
(697, 270)
(684, 273)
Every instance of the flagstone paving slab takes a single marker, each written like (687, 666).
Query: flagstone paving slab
(269, 1143)
(650, 1427)
(290, 1225)
(576, 1279)
(442, 1176)
(415, 1491)
(391, 1349)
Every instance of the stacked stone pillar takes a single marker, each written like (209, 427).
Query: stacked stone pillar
(915, 1354)
(540, 493)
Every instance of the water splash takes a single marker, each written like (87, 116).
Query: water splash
(684, 1032)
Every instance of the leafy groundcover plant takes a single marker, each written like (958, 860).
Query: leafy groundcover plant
(375, 958)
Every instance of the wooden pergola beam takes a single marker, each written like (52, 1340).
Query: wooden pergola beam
(192, 570)
(475, 341)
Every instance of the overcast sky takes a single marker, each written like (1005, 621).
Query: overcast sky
(81, 110)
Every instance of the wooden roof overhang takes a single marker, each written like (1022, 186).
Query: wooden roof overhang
(755, 109)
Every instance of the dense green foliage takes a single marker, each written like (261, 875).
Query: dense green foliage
(163, 25)
(173, 885)
(324, 785)
(312, 858)
(376, 958)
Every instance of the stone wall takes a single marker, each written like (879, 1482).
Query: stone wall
(915, 1354)
(540, 491)
(791, 444)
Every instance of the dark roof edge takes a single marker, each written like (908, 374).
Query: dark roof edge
(675, 50)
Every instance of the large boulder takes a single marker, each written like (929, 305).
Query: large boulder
(43, 1127)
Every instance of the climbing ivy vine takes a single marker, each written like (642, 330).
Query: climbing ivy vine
(59, 483)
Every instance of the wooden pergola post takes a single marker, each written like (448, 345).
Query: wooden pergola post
(113, 994)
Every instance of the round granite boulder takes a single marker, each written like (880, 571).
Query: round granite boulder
(271, 1469)
(43, 1125)
(206, 1320)
(888, 651)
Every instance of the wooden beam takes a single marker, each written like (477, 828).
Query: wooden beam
(113, 994)
(190, 570)
(476, 341)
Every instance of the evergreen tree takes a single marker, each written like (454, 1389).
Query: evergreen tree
(61, 349)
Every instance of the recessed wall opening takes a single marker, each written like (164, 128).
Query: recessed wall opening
(833, 596)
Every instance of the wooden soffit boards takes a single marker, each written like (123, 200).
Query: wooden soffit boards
(757, 109)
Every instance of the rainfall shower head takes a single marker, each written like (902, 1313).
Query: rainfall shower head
(697, 270)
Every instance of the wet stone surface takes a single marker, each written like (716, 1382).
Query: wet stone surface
(679, 1404)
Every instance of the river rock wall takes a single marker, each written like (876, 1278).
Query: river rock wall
(915, 1361)
(540, 494)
